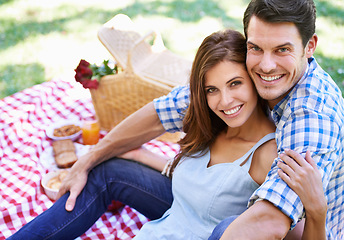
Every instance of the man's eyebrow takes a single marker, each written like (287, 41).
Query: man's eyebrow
(279, 46)
(248, 42)
(285, 44)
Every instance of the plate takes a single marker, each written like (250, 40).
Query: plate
(73, 137)
(47, 156)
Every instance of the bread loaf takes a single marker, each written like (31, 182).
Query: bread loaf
(64, 153)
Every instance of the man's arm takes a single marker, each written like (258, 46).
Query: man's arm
(261, 221)
(137, 129)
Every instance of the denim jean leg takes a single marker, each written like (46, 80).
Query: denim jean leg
(116, 179)
(221, 227)
(146, 190)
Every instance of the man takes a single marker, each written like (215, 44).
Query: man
(306, 105)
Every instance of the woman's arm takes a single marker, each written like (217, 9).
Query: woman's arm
(146, 157)
(303, 177)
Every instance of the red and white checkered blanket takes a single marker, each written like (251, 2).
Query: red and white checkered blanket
(24, 117)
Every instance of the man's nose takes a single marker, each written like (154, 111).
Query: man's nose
(267, 63)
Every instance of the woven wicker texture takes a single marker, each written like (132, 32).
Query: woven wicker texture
(153, 62)
(150, 71)
(120, 95)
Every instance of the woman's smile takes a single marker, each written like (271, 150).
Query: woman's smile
(231, 112)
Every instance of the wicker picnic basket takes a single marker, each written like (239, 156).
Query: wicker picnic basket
(149, 71)
(122, 94)
(146, 54)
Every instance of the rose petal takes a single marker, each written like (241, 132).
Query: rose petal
(90, 84)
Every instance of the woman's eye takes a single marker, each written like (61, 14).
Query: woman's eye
(235, 83)
(210, 90)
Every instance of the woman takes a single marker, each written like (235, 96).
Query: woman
(218, 136)
(228, 148)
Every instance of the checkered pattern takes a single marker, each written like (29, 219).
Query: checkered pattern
(171, 108)
(23, 120)
(310, 117)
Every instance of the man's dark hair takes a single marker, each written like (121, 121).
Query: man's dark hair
(300, 12)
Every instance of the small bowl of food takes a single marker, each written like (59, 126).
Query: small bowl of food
(64, 130)
(51, 182)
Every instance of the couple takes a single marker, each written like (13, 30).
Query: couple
(306, 108)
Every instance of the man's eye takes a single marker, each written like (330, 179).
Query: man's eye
(282, 50)
(253, 48)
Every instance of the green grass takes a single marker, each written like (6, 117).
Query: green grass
(41, 40)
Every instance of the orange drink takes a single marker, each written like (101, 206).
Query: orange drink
(90, 132)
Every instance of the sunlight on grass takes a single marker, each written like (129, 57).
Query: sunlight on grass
(52, 36)
(333, 45)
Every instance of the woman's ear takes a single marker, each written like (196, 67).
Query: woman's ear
(311, 46)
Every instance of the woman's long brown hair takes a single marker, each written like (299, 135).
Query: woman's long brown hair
(201, 125)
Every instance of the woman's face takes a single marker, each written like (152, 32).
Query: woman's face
(230, 93)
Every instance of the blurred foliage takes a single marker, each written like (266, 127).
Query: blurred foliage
(40, 40)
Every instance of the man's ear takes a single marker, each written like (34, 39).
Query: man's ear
(311, 46)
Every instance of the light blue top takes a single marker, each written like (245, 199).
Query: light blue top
(310, 117)
(204, 196)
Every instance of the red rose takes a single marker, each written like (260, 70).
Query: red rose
(84, 63)
(83, 71)
(88, 83)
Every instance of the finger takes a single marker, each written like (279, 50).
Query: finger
(70, 203)
(286, 169)
(284, 176)
(296, 156)
(310, 160)
(289, 161)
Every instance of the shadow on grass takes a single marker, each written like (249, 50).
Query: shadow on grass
(5, 1)
(191, 11)
(14, 78)
(328, 10)
(194, 11)
(15, 32)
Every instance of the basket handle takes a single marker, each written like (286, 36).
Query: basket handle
(158, 45)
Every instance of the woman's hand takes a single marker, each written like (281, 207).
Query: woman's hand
(303, 177)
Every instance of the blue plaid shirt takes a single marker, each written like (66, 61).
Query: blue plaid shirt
(311, 118)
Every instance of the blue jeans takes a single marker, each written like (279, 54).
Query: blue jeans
(126, 181)
(221, 227)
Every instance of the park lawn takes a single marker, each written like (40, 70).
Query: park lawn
(41, 40)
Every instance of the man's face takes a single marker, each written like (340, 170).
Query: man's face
(276, 58)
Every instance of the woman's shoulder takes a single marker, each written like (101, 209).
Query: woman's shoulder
(267, 150)
(262, 160)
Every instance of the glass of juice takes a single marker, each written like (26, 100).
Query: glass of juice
(90, 131)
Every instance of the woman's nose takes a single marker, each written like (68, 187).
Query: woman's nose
(226, 99)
